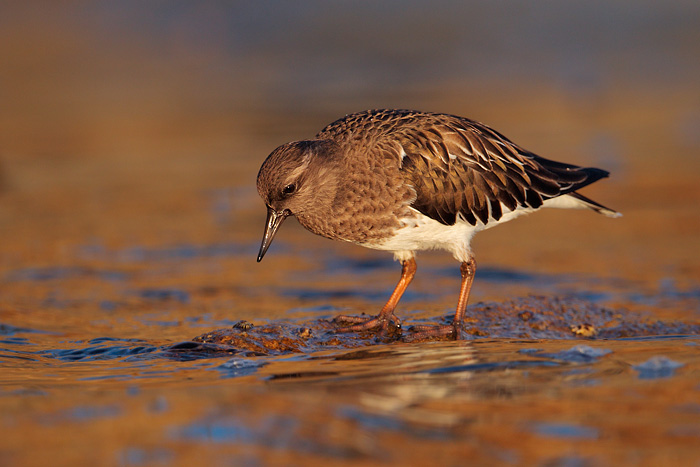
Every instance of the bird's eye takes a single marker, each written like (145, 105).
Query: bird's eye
(289, 189)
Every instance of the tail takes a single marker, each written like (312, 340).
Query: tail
(590, 204)
(571, 178)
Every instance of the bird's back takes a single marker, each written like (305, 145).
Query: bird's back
(459, 168)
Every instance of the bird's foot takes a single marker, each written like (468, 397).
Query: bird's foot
(385, 326)
(446, 331)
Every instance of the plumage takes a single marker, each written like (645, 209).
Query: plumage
(402, 181)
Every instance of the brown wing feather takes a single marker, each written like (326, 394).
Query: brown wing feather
(463, 167)
(458, 166)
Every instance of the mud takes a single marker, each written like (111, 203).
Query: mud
(526, 318)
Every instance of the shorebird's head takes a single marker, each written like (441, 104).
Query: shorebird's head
(293, 181)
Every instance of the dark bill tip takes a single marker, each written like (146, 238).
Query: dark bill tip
(274, 220)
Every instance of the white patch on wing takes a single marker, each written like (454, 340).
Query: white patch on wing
(565, 202)
(570, 202)
(507, 215)
(421, 232)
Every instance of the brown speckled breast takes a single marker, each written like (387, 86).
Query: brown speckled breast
(373, 194)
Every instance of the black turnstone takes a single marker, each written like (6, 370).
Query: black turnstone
(404, 181)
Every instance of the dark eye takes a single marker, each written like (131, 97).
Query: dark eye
(289, 189)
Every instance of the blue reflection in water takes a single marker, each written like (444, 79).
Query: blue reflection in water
(236, 367)
(97, 351)
(565, 430)
(657, 367)
(63, 272)
(275, 431)
(133, 456)
(165, 294)
(576, 354)
(377, 422)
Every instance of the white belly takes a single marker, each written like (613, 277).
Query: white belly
(421, 232)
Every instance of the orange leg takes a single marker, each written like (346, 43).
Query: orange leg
(386, 315)
(454, 330)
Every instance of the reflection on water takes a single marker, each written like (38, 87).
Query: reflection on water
(657, 367)
(438, 395)
(104, 348)
(136, 328)
(565, 431)
(289, 386)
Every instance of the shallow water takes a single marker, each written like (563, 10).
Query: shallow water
(148, 374)
(137, 329)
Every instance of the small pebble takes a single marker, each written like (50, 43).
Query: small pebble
(584, 330)
(243, 325)
(525, 315)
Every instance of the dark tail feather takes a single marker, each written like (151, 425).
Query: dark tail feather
(569, 177)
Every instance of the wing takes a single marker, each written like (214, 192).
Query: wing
(459, 167)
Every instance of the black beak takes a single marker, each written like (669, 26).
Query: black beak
(274, 220)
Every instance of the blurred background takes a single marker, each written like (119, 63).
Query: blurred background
(131, 133)
(128, 124)
(103, 101)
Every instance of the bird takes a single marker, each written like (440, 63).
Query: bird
(404, 181)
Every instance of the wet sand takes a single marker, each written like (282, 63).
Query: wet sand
(129, 226)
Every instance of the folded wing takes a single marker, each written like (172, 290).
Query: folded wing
(459, 167)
